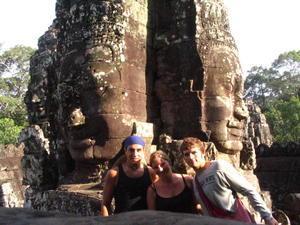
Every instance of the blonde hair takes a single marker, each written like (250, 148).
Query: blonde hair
(159, 154)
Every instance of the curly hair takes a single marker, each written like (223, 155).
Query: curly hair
(190, 142)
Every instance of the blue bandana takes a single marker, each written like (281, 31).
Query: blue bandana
(131, 140)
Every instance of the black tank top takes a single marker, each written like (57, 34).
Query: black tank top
(183, 202)
(130, 193)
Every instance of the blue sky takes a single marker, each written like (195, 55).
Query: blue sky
(262, 28)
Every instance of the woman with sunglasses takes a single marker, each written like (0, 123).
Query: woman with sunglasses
(172, 191)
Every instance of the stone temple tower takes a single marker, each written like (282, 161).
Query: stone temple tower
(106, 69)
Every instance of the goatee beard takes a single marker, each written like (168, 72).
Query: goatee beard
(134, 166)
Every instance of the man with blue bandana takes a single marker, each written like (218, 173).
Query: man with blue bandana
(127, 182)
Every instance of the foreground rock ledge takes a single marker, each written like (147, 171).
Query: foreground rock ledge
(21, 216)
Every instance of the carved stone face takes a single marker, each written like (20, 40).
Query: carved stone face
(91, 95)
(223, 111)
(221, 99)
(101, 83)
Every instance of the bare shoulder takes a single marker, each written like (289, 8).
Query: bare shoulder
(188, 179)
(152, 174)
(112, 174)
(150, 169)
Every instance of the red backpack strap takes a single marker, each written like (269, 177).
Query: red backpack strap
(212, 210)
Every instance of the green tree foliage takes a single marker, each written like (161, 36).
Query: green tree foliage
(14, 71)
(280, 81)
(277, 91)
(9, 131)
(13, 108)
(14, 77)
(256, 85)
(284, 118)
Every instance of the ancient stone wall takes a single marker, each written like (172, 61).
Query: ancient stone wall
(278, 171)
(256, 132)
(71, 200)
(11, 189)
